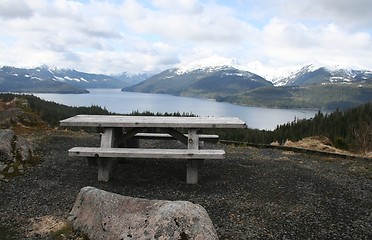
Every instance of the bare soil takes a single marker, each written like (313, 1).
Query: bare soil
(252, 194)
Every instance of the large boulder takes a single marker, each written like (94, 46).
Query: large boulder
(105, 215)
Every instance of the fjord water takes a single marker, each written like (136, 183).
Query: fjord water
(125, 102)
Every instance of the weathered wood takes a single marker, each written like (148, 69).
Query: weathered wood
(107, 138)
(107, 142)
(192, 171)
(193, 139)
(146, 153)
(202, 137)
(152, 121)
(114, 137)
(176, 134)
(127, 135)
(192, 165)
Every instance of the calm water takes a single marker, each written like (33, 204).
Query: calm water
(125, 102)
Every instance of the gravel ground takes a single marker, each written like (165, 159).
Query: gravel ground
(252, 194)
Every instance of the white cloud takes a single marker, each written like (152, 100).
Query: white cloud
(14, 9)
(180, 6)
(352, 14)
(153, 35)
(203, 25)
(289, 43)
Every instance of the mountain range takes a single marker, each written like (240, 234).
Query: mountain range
(312, 86)
(315, 74)
(54, 80)
(132, 78)
(218, 79)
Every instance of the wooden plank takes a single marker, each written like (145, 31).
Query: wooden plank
(105, 167)
(193, 139)
(127, 135)
(192, 168)
(176, 134)
(152, 121)
(147, 153)
(202, 137)
(192, 171)
(107, 138)
(166, 135)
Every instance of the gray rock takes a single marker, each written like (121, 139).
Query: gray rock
(14, 148)
(105, 215)
(6, 140)
(25, 148)
(11, 170)
(21, 169)
(2, 166)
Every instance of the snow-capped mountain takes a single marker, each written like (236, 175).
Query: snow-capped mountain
(33, 80)
(213, 74)
(198, 78)
(363, 75)
(320, 74)
(80, 79)
(272, 74)
(132, 78)
(52, 79)
(212, 63)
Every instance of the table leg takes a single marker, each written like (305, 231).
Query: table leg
(192, 165)
(105, 166)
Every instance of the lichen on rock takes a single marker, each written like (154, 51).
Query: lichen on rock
(105, 215)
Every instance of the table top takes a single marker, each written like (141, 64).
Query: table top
(152, 121)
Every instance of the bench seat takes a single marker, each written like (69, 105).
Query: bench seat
(202, 137)
(146, 153)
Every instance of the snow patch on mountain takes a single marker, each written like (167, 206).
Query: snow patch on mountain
(212, 63)
(272, 74)
(60, 79)
(37, 78)
(338, 74)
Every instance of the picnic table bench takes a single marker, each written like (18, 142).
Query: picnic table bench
(120, 136)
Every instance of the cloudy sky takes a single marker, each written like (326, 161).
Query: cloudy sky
(113, 36)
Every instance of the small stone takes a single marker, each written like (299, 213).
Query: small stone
(2, 166)
(11, 170)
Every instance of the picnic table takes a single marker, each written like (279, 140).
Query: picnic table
(120, 135)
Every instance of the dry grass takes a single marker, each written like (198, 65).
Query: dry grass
(318, 143)
(45, 225)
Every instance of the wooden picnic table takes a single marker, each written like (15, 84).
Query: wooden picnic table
(120, 136)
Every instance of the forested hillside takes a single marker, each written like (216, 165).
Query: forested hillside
(313, 96)
(50, 112)
(349, 130)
